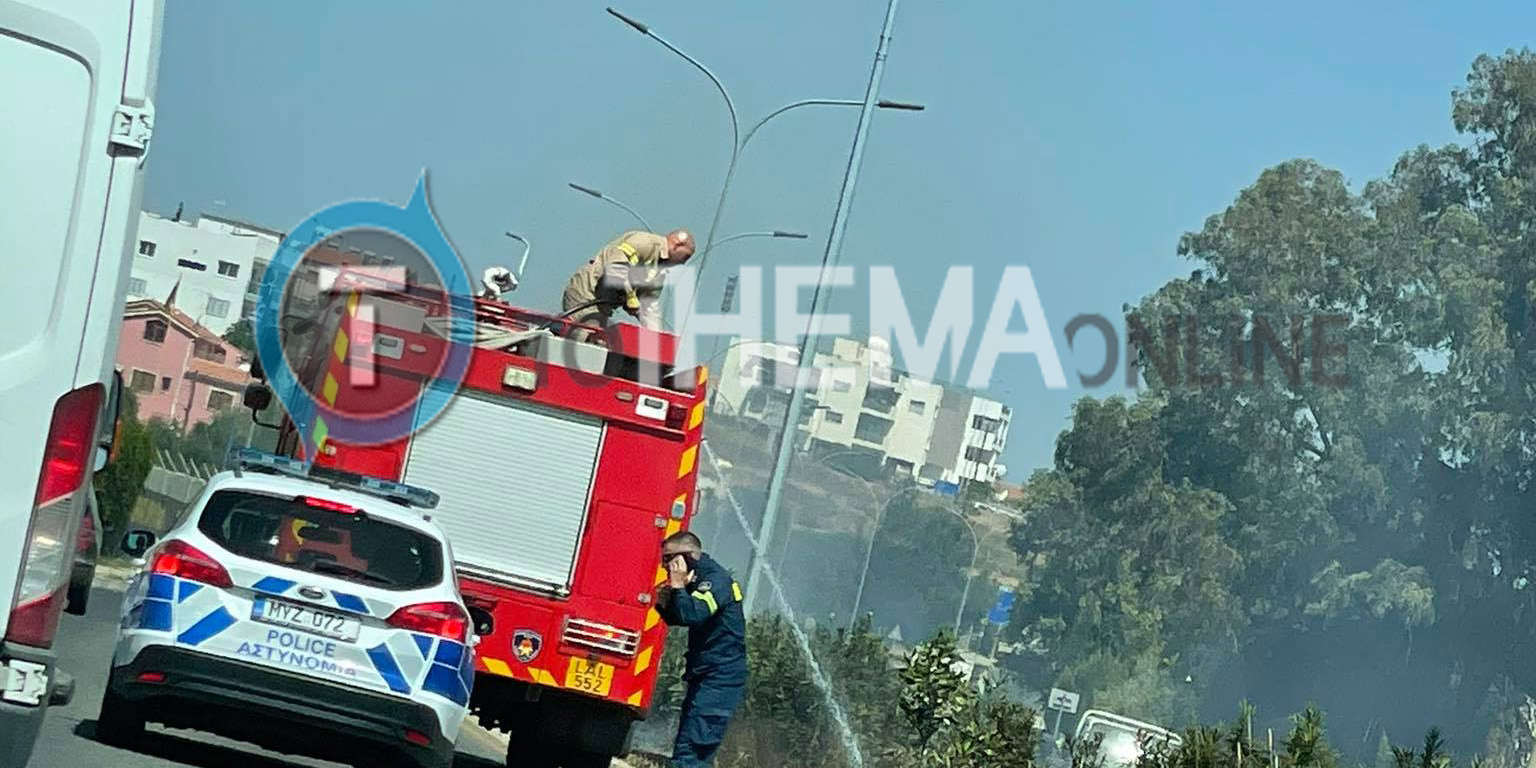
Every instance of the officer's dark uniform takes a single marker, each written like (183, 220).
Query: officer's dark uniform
(717, 659)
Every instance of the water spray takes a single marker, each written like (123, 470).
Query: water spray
(839, 717)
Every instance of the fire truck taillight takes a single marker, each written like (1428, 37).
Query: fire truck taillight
(675, 416)
(600, 637)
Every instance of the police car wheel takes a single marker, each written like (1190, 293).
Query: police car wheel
(118, 723)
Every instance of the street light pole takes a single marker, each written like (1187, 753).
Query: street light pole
(829, 261)
(869, 553)
(730, 171)
(611, 201)
(738, 141)
(522, 265)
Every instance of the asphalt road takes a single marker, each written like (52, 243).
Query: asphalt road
(85, 650)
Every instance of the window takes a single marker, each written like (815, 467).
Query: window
(146, 248)
(208, 350)
(190, 264)
(218, 307)
(979, 455)
(917, 407)
(154, 331)
(839, 385)
(229, 269)
(165, 383)
(137, 287)
(142, 381)
(219, 400)
(294, 535)
(986, 424)
(832, 417)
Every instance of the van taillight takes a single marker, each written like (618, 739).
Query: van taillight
(57, 506)
(182, 560)
(441, 619)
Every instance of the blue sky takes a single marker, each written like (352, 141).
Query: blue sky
(1078, 139)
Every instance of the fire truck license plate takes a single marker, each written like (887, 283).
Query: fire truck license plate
(592, 677)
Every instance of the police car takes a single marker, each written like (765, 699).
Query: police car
(289, 608)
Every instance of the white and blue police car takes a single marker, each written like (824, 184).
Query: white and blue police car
(310, 612)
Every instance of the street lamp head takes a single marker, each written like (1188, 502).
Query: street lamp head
(639, 27)
(901, 105)
(584, 190)
(791, 235)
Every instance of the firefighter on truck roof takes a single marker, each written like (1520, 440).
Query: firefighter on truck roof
(626, 273)
(702, 595)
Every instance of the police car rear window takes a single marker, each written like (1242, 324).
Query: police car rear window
(291, 533)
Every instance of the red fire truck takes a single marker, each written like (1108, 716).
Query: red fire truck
(560, 472)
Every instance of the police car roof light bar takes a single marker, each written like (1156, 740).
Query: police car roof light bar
(400, 493)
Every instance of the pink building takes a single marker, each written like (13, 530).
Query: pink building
(179, 370)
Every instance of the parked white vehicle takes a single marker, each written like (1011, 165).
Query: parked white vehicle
(314, 614)
(1122, 736)
(79, 77)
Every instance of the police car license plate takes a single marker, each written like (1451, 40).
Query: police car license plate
(305, 619)
(592, 677)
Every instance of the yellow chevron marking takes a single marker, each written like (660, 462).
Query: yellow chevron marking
(634, 698)
(690, 456)
(352, 303)
(652, 618)
(498, 667)
(643, 661)
(696, 417)
(321, 432)
(331, 386)
(341, 346)
(673, 526)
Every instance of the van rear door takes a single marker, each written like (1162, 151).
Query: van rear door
(78, 84)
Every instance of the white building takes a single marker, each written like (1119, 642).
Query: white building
(857, 403)
(210, 264)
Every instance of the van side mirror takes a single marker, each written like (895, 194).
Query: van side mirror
(138, 541)
(108, 439)
(257, 397)
(257, 372)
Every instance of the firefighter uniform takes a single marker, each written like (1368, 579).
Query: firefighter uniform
(625, 272)
(716, 664)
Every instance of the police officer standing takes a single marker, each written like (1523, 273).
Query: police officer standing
(627, 273)
(701, 595)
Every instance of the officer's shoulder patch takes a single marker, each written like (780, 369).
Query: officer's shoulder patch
(705, 586)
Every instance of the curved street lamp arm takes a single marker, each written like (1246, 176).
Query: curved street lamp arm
(599, 194)
(522, 265)
(796, 105)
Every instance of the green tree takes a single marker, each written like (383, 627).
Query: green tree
(242, 336)
(1373, 492)
(120, 483)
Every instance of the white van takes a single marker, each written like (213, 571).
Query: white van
(78, 79)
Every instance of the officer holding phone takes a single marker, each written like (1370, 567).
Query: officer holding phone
(702, 595)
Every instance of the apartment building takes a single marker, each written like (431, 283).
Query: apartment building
(211, 263)
(857, 403)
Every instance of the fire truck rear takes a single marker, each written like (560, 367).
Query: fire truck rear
(560, 472)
